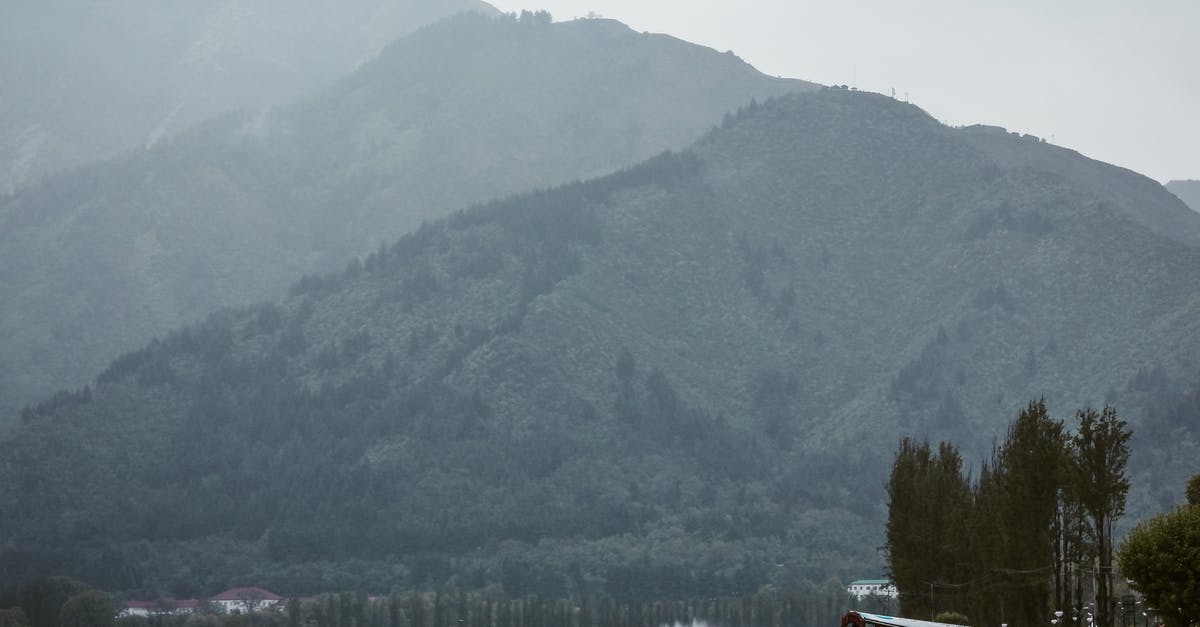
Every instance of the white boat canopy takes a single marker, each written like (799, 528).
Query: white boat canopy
(864, 619)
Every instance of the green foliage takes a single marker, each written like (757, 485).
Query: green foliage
(1101, 447)
(928, 508)
(54, 602)
(1159, 556)
(1102, 451)
(43, 599)
(952, 618)
(1193, 490)
(90, 608)
(1015, 526)
(13, 617)
(1009, 549)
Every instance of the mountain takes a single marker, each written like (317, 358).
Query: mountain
(96, 262)
(91, 80)
(688, 377)
(1130, 191)
(1187, 191)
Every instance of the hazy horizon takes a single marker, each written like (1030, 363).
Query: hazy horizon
(1112, 80)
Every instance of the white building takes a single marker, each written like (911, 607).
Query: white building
(161, 607)
(873, 587)
(232, 601)
(246, 600)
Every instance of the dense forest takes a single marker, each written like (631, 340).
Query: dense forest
(325, 472)
(1029, 534)
(680, 380)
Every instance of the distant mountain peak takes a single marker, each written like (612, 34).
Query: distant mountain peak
(107, 79)
(1188, 191)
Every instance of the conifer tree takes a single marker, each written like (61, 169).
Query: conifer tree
(926, 529)
(1012, 549)
(1102, 452)
(1029, 475)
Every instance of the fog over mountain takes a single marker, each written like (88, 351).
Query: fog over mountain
(1110, 79)
(87, 80)
(97, 261)
(685, 377)
(392, 296)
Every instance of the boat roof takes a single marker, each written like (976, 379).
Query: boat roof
(880, 619)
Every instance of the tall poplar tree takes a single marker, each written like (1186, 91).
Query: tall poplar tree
(988, 537)
(928, 517)
(1031, 470)
(1013, 531)
(1012, 548)
(1101, 455)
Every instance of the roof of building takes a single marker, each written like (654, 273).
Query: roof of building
(246, 594)
(871, 582)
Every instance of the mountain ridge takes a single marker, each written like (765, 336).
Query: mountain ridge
(1131, 188)
(1188, 191)
(97, 262)
(695, 369)
(99, 81)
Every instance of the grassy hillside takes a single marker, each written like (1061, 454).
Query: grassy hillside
(87, 81)
(96, 262)
(685, 378)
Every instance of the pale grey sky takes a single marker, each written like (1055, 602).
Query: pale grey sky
(1118, 81)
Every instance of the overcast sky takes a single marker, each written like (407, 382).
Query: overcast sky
(1116, 80)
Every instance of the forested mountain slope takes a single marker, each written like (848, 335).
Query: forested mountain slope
(1187, 191)
(87, 80)
(98, 261)
(1130, 191)
(685, 378)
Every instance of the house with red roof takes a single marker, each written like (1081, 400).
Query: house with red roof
(231, 601)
